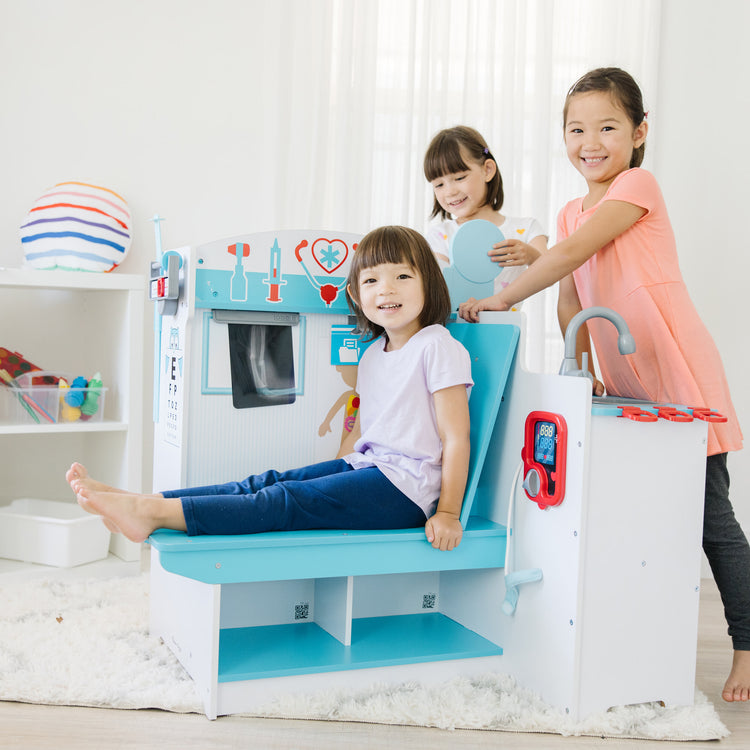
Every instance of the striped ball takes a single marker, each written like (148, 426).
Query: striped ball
(77, 227)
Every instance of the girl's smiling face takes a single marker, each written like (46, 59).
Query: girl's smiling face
(464, 194)
(600, 138)
(392, 296)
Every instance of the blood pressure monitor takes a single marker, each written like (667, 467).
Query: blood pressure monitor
(544, 456)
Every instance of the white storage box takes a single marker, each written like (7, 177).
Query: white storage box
(48, 532)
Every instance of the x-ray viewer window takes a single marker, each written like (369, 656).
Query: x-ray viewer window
(262, 365)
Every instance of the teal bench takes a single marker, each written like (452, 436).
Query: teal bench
(188, 575)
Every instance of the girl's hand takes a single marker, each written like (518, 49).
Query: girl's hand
(597, 387)
(513, 253)
(444, 531)
(470, 309)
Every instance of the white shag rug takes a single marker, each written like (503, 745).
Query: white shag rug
(86, 643)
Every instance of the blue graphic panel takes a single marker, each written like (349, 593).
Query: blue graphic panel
(285, 271)
(347, 345)
(214, 289)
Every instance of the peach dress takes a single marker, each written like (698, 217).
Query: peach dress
(638, 275)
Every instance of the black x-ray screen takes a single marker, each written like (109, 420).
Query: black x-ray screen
(262, 365)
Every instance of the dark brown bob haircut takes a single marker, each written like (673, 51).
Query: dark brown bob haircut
(625, 92)
(444, 157)
(394, 244)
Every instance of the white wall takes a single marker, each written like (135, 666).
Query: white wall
(703, 167)
(168, 102)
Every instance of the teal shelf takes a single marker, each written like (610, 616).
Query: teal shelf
(305, 648)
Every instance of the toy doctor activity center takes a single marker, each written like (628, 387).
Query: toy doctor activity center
(579, 569)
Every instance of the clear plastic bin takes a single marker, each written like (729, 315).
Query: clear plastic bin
(48, 404)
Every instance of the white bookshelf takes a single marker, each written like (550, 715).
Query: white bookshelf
(80, 323)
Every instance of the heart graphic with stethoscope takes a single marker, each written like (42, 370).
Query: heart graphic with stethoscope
(329, 255)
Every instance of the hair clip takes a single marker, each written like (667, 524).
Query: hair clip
(645, 115)
(486, 152)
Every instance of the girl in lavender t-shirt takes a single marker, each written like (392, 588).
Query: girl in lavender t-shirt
(405, 462)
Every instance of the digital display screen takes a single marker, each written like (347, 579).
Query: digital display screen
(545, 434)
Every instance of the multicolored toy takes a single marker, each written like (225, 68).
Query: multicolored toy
(14, 363)
(91, 401)
(77, 392)
(80, 399)
(68, 413)
(76, 226)
(37, 390)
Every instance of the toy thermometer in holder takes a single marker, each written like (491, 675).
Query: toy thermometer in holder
(544, 456)
(164, 283)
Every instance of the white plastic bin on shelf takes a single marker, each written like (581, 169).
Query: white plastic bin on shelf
(49, 532)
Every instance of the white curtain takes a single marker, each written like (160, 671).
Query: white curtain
(242, 115)
(368, 82)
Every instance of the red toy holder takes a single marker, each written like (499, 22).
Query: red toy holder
(674, 415)
(544, 456)
(671, 414)
(636, 414)
(708, 415)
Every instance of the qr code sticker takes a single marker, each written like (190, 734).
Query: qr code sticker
(429, 601)
(302, 611)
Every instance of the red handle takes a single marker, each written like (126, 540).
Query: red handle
(637, 414)
(708, 415)
(674, 415)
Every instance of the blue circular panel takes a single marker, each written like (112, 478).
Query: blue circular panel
(471, 243)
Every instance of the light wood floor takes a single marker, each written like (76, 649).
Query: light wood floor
(28, 727)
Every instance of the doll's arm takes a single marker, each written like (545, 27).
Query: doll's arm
(325, 426)
(347, 444)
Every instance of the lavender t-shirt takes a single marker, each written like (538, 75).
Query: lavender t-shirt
(399, 432)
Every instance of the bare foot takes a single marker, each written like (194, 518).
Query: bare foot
(132, 515)
(127, 513)
(74, 476)
(737, 687)
(76, 471)
(77, 476)
(110, 526)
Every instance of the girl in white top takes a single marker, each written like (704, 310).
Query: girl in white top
(468, 185)
(404, 464)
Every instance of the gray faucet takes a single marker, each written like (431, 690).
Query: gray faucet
(625, 341)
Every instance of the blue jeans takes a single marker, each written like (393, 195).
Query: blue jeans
(727, 551)
(327, 495)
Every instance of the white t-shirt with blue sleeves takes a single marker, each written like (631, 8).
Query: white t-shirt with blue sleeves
(399, 432)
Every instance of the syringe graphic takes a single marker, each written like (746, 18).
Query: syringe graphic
(274, 279)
